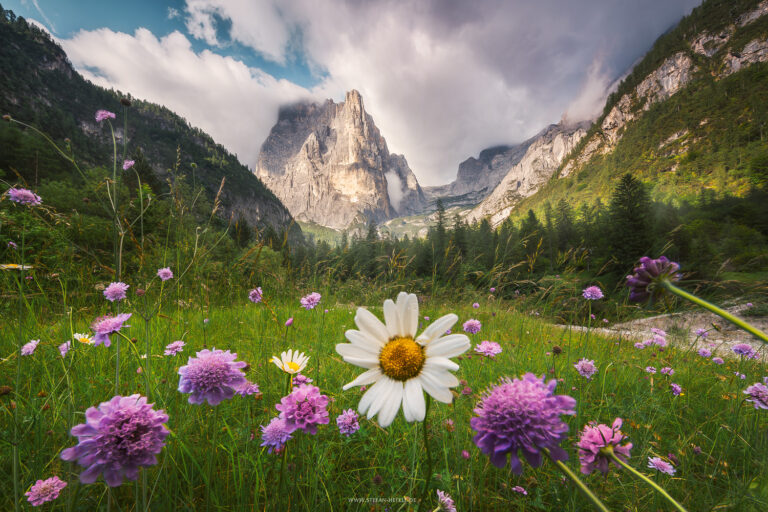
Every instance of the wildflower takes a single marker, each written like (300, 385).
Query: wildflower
(594, 439)
(592, 316)
(304, 409)
(426, 319)
(255, 295)
(165, 273)
(557, 350)
(667, 371)
(127, 164)
(650, 369)
(705, 352)
(661, 341)
(289, 322)
(12, 245)
(605, 320)
(445, 502)
(310, 301)
(465, 454)
(522, 414)
(661, 465)
(640, 345)
(291, 361)
(586, 368)
(749, 304)
(520, 490)
(472, 326)
(488, 348)
(475, 305)
(659, 332)
(174, 348)
(399, 364)
(115, 291)
(64, 348)
(104, 114)
(29, 348)
(14, 266)
(23, 196)
(744, 349)
(758, 395)
(644, 283)
(117, 438)
(592, 293)
(493, 290)
(44, 491)
(702, 333)
(83, 338)
(106, 325)
(740, 375)
(275, 435)
(139, 370)
(676, 389)
(449, 425)
(347, 422)
(212, 376)
(299, 379)
(466, 391)
(247, 389)
(717, 360)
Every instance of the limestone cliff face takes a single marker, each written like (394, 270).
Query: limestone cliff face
(540, 161)
(674, 73)
(330, 165)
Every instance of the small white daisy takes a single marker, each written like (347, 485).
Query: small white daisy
(291, 362)
(83, 338)
(401, 365)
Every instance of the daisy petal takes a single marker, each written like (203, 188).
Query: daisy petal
(392, 319)
(448, 346)
(442, 363)
(437, 328)
(370, 396)
(409, 314)
(364, 340)
(364, 378)
(391, 405)
(385, 394)
(413, 401)
(442, 377)
(350, 350)
(362, 363)
(439, 393)
(369, 324)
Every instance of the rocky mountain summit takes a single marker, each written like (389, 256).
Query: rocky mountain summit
(329, 164)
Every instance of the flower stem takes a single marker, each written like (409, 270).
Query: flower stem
(638, 474)
(576, 480)
(716, 310)
(428, 479)
(211, 456)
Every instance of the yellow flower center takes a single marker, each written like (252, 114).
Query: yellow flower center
(401, 359)
(84, 340)
(293, 366)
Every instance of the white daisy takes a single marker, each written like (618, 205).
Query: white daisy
(399, 363)
(291, 362)
(83, 338)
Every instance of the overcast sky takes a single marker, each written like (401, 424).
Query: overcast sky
(442, 79)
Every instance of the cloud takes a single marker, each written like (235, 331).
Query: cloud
(235, 104)
(443, 79)
(394, 189)
(173, 13)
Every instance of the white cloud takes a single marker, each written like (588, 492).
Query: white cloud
(394, 189)
(173, 13)
(235, 104)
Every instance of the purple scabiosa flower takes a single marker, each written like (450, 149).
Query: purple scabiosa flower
(310, 301)
(12, 245)
(275, 435)
(596, 437)
(289, 322)
(255, 295)
(29, 348)
(304, 409)
(23, 196)
(661, 465)
(592, 316)
(586, 368)
(445, 502)
(476, 305)
(659, 332)
(640, 345)
(592, 293)
(749, 304)
(676, 389)
(347, 422)
(661, 341)
(101, 115)
(299, 379)
(127, 164)
(650, 369)
(705, 352)
(521, 414)
(702, 333)
(740, 375)
(466, 391)
(488, 348)
(248, 389)
(643, 284)
(743, 349)
(493, 290)
(605, 320)
(64, 348)
(758, 395)
(117, 438)
(520, 490)
(472, 326)
(106, 325)
(717, 360)
(165, 273)
(667, 371)
(45, 490)
(465, 454)
(174, 348)
(212, 376)
(115, 291)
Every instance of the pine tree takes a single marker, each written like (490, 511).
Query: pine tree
(630, 227)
